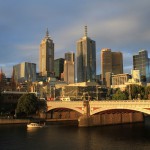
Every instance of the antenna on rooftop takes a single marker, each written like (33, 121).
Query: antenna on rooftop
(47, 33)
(85, 29)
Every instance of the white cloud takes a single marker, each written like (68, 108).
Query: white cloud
(119, 25)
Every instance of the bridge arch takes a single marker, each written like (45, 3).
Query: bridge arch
(65, 107)
(142, 110)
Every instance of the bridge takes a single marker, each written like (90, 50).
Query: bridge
(88, 109)
(99, 106)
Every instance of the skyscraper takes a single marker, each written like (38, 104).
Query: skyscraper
(58, 67)
(142, 62)
(110, 62)
(86, 59)
(69, 68)
(46, 62)
(25, 72)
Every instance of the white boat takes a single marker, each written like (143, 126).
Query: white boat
(35, 125)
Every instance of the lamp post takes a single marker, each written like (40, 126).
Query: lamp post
(97, 92)
(130, 92)
(54, 92)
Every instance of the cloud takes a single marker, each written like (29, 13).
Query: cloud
(119, 25)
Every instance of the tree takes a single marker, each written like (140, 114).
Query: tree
(42, 106)
(27, 104)
(109, 94)
(147, 92)
(120, 95)
(136, 91)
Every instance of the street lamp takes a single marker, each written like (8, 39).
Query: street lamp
(130, 92)
(54, 92)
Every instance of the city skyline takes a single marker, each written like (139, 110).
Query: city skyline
(120, 26)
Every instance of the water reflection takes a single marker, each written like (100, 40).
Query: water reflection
(57, 137)
(31, 130)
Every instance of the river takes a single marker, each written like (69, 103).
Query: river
(66, 137)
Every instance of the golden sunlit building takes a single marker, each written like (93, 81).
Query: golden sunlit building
(110, 62)
(46, 62)
(86, 59)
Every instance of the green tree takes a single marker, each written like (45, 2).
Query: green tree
(27, 104)
(109, 94)
(120, 95)
(147, 92)
(136, 91)
(42, 106)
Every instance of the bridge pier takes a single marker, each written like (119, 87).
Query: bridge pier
(85, 120)
(108, 118)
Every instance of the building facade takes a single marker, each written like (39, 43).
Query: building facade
(136, 75)
(58, 67)
(46, 62)
(70, 56)
(86, 59)
(142, 62)
(110, 62)
(119, 80)
(24, 72)
(69, 68)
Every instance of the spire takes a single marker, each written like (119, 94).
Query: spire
(47, 33)
(85, 29)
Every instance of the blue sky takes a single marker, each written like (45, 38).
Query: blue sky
(122, 25)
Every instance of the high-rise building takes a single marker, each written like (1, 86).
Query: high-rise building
(69, 68)
(142, 62)
(46, 62)
(58, 67)
(2, 80)
(70, 56)
(136, 75)
(110, 62)
(24, 72)
(86, 59)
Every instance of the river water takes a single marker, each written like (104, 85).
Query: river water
(66, 137)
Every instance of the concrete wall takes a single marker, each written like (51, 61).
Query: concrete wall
(109, 119)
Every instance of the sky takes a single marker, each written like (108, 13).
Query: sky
(121, 25)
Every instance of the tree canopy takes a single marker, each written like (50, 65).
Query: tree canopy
(27, 104)
(120, 95)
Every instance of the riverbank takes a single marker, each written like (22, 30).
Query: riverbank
(48, 121)
(62, 122)
(14, 121)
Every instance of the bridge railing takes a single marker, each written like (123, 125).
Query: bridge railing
(103, 101)
(147, 101)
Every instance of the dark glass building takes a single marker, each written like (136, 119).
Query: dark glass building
(58, 67)
(142, 62)
(69, 68)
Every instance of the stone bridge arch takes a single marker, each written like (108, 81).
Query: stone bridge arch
(75, 109)
(146, 111)
(76, 106)
(138, 106)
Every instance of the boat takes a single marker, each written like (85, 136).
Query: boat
(35, 125)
